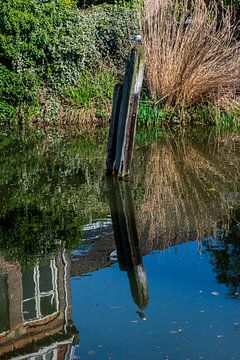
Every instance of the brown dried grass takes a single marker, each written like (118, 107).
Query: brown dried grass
(195, 62)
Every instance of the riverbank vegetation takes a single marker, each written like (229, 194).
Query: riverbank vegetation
(49, 47)
(192, 56)
(60, 59)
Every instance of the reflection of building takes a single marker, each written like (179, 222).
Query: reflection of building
(96, 257)
(35, 310)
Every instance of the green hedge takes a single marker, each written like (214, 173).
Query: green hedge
(47, 43)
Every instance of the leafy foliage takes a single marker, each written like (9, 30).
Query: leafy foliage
(15, 88)
(114, 27)
(91, 90)
(46, 44)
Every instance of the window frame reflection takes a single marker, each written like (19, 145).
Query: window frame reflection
(38, 294)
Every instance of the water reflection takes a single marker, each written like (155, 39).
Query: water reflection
(183, 189)
(35, 315)
(224, 252)
(126, 238)
(186, 184)
(30, 233)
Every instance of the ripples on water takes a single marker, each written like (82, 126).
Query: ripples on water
(146, 268)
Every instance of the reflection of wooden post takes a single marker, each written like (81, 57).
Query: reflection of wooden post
(125, 233)
(124, 115)
(15, 290)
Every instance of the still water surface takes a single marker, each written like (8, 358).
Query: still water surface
(91, 268)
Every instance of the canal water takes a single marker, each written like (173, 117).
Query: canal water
(93, 268)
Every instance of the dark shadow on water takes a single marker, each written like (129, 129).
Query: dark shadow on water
(126, 238)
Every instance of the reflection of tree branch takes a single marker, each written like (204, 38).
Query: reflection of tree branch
(126, 238)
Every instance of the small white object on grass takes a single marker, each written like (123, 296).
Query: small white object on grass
(137, 38)
(188, 21)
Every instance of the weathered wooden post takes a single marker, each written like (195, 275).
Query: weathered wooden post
(124, 115)
(126, 238)
(112, 138)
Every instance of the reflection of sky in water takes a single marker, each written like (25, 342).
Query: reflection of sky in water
(189, 315)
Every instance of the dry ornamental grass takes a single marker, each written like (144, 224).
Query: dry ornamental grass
(192, 53)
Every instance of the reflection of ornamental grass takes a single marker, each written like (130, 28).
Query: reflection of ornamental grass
(191, 52)
(187, 191)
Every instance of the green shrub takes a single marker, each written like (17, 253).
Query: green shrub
(114, 27)
(7, 113)
(57, 41)
(87, 3)
(92, 88)
(48, 43)
(49, 38)
(16, 87)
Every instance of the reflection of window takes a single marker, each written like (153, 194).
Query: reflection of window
(69, 355)
(50, 355)
(4, 318)
(40, 295)
(64, 350)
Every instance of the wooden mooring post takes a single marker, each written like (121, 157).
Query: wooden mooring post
(124, 115)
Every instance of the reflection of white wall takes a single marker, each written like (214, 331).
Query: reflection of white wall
(65, 264)
(51, 352)
(50, 355)
(40, 292)
(70, 352)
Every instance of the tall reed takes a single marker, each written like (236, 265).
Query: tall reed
(192, 53)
